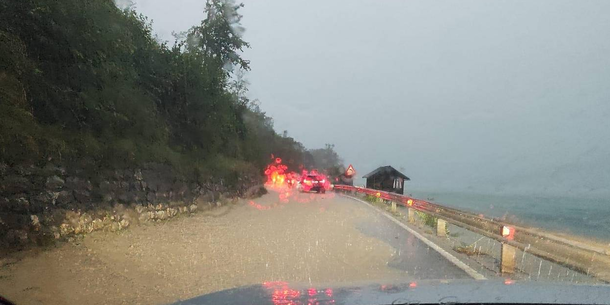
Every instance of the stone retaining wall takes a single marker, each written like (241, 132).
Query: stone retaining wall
(40, 205)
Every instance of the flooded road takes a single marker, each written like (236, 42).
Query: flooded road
(309, 239)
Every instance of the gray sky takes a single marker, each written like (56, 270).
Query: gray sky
(487, 96)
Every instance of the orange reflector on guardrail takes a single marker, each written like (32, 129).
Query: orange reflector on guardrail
(508, 232)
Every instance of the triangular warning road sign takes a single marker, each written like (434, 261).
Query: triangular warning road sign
(350, 171)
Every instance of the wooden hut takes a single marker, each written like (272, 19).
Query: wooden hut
(386, 178)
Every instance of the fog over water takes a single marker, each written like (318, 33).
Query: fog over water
(478, 96)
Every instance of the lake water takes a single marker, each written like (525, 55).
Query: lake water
(585, 217)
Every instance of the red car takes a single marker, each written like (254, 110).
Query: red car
(314, 183)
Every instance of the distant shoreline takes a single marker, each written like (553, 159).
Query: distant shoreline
(586, 217)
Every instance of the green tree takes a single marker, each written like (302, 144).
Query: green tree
(85, 80)
(326, 158)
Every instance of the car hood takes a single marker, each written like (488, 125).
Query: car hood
(424, 292)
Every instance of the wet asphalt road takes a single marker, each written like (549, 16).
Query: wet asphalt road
(411, 257)
(311, 239)
(411, 254)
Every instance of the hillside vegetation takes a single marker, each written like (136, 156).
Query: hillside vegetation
(84, 82)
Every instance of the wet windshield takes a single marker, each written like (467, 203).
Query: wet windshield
(155, 152)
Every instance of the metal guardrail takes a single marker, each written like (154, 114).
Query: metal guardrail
(573, 254)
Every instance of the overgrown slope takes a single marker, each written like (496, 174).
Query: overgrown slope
(85, 83)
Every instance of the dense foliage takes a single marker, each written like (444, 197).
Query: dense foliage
(84, 81)
(327, 159)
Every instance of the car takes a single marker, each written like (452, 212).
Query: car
(313, 183)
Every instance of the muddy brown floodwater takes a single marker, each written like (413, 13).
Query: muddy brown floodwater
(310, 240)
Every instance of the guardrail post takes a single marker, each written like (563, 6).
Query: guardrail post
(508, 259)
(393, 206)
(411, 215)
(441, 228)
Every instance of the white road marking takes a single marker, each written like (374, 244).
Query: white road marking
(473, 273)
